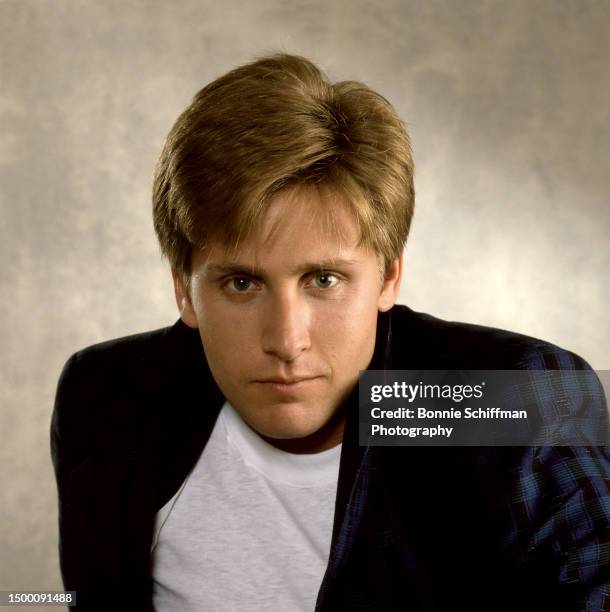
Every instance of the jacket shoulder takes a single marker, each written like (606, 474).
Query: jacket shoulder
(131, 349)
(101, 387)
(92, 371)
(434, 343)
(129, 356)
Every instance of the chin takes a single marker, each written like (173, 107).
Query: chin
(288, 431)
(288, 425)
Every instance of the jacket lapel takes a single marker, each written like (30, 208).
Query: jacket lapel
(357, 477)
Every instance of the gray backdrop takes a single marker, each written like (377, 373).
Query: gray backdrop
(508, 106)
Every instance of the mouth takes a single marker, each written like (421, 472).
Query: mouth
(287, 384)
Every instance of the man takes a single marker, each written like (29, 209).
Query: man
(215, 465)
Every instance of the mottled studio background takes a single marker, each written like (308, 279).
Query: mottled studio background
(508, 105)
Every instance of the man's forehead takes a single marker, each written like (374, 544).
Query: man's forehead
(301, 228)
(255, 257)
(305, 212)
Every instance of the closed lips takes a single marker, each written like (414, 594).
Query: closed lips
(286, 381)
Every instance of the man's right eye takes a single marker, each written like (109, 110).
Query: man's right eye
(240, 284)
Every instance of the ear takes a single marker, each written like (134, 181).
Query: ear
(183, 300)
(391, 285)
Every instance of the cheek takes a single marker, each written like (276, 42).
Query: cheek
(347, 330)
(227, 339)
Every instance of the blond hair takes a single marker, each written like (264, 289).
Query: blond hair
(269, 125)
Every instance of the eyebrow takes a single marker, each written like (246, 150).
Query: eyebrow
(236, 268)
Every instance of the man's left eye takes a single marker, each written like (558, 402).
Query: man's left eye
(241, 284)
(325, 280)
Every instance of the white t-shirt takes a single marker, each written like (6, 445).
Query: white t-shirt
(250, 528)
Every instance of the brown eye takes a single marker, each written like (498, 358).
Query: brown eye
(241, 283)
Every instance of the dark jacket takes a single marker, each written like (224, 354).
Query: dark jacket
(415, 528)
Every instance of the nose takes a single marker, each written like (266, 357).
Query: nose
(286, 326)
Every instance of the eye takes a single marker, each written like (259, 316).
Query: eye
(240, 284)
(325, 280)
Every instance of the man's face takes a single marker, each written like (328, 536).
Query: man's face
(289, 320)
